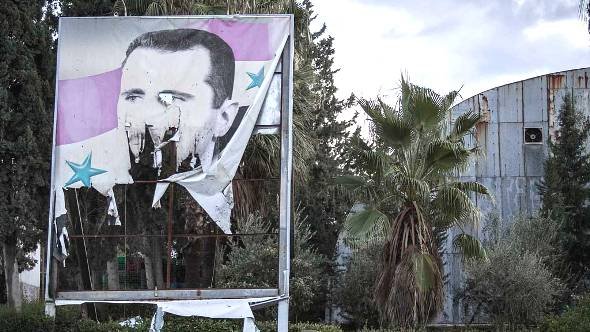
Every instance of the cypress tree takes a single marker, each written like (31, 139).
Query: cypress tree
(564, 190)
(26, 93)
(318, 196)
(323, 205)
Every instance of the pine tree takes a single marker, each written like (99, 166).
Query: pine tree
(324, 208)
(26, 93)
(564, 190)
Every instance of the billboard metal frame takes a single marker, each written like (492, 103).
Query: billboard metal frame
(281, 294)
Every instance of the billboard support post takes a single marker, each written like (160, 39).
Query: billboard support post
(286, 180)
(49, 260)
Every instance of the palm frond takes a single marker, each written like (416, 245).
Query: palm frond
(421, 106)
(449, 99)
(364, 225)
(387, 109)
(443, 156)
(414, 189)
(375, 162)
(427, 107)
(393, 130)
(411, 291)
(474, 187)
(455, 207)
(469, 246)
(425, 270)
(464, 124)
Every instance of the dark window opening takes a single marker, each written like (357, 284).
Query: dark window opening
(533, 136)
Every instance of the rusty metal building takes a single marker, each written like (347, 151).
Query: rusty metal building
(518, 119)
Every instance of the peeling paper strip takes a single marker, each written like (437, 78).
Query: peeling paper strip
(218, 308)
(249, 325)
(61, 233)
(60, 203)
(209, 188)
(215, 308)
(112, 211)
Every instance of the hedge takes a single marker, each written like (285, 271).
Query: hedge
(67, 319)
(574, 319)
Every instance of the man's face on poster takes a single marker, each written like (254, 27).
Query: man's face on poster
(170, 92)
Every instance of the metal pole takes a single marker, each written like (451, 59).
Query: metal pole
(286, 179)
(170, 211)
(49, 280)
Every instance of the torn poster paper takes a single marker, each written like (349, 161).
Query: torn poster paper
(125, 81)
(215, 308)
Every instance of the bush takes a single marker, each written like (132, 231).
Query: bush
(253, 263)
(574, 319)
(32, 319)
(196, 324)
(354, 291)
(513, 286)
(270, 326)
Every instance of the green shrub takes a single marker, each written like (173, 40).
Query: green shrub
(271, 326)
(194, 324)
(87, 325)
(354, 290)
(574, 319)
(253, 262)
(29, 320)
(514, 285)
(32, 319)
(67, 319)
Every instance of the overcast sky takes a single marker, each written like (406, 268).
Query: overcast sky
(446, 44)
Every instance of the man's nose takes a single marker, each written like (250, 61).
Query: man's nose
(162, 114)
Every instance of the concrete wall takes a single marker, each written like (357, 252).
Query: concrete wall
(510, 168)
(31, 280)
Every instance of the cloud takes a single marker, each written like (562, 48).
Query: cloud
(444, 44)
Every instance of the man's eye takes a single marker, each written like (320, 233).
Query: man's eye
(175, 98)
(132, 98)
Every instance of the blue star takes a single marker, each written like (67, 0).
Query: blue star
(256, 79)
(83, 172)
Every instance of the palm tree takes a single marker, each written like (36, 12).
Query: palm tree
(408, 196)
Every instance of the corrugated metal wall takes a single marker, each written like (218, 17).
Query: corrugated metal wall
(510, 168)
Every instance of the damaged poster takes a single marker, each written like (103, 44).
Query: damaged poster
(191, 89)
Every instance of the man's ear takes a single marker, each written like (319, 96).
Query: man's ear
(225, 117)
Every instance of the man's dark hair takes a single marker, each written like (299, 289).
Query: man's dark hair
(221, 77)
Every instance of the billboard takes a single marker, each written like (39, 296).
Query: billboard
(129, 87)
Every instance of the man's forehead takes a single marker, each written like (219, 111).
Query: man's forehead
(151, 63)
